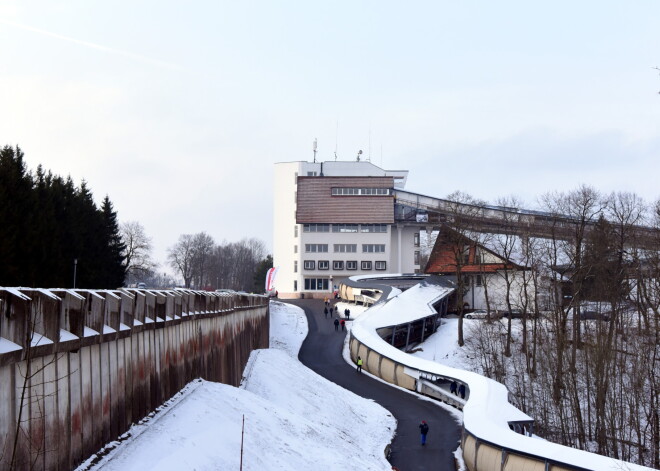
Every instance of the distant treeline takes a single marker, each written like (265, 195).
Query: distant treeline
(47, 224)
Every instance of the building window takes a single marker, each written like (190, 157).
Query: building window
(373, 248)
(344, 228)
(345, 248)
(478, 280)
(295, 285)
(324, 265)
(366, 265)
(314, 248)
(295, 249)
(316, 227)
(295, 230)
(311, 174)
(316, 284)
(416, 239)
(466, 255)
(295, 178)
(361, 191)
(351, 265)
(416, 260)
(380, 265)
(295, 266)
(309, 264)
(381, 228)
(337, 265)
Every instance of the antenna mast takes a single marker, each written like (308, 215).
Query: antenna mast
(369, 155)
(336, 139)
(314, 147)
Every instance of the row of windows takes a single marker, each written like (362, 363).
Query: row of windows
(361, 191)
(345, 248)
(312, 248)
(316, 284)
(344, 228)
(373, 248)
(339, 265)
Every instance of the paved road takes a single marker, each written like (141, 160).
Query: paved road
(321, 351)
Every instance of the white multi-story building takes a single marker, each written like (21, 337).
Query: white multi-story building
(338, 219)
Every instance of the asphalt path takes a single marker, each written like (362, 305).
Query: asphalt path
(322, 352)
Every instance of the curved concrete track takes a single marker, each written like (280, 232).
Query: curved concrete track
(321, 351)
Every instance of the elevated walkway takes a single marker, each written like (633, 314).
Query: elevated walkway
(427, 211)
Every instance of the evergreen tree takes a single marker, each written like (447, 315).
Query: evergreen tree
(115, 266)
(16, 200)
(260, 272)
(46, 224)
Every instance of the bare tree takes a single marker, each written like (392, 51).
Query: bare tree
(138, 251)
(202, 248)
(181, 255)
(462, 209)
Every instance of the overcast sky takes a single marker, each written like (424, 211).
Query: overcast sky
(178, 110)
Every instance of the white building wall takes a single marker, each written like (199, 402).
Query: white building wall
(496, 283)
(284, 223)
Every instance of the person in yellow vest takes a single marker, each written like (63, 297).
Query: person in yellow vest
(359, 364)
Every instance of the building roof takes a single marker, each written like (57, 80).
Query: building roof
(443, 256)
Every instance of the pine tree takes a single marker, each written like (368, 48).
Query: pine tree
(115, 268)
(16, 201)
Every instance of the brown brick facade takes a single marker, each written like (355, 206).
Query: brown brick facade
(316, 204)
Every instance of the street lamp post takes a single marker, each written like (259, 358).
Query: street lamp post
(75, 267)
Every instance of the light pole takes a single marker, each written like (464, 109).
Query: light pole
(75, 267)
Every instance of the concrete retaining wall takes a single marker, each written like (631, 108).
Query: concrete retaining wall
(77, 368)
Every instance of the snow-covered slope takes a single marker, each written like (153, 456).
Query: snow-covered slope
(294, 419)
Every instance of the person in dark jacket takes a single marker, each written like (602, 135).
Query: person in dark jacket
(461, 391)
(452, 387)
(424, 429)
(325, 311)
(347, 313)
(336, 324)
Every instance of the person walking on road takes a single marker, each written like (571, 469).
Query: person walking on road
(359, 364)
(347, 313)
(343, 324)
(452, 388)
(424, 429)
(336, 324)
(325, 311)
(461, 390)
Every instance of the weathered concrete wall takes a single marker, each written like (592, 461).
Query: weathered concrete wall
(78, 367)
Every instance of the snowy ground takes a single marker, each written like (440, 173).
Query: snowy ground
(442, 347)
(294, 419)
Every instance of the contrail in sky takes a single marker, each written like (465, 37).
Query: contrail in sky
(130, 55)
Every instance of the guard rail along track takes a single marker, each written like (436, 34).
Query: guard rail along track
(496, 436)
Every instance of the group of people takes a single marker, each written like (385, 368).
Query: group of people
(329, 309)
(456, 390)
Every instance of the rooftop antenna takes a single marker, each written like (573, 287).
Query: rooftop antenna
(314, 147)
(336, 139)
(369, 155)
(359, 154)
